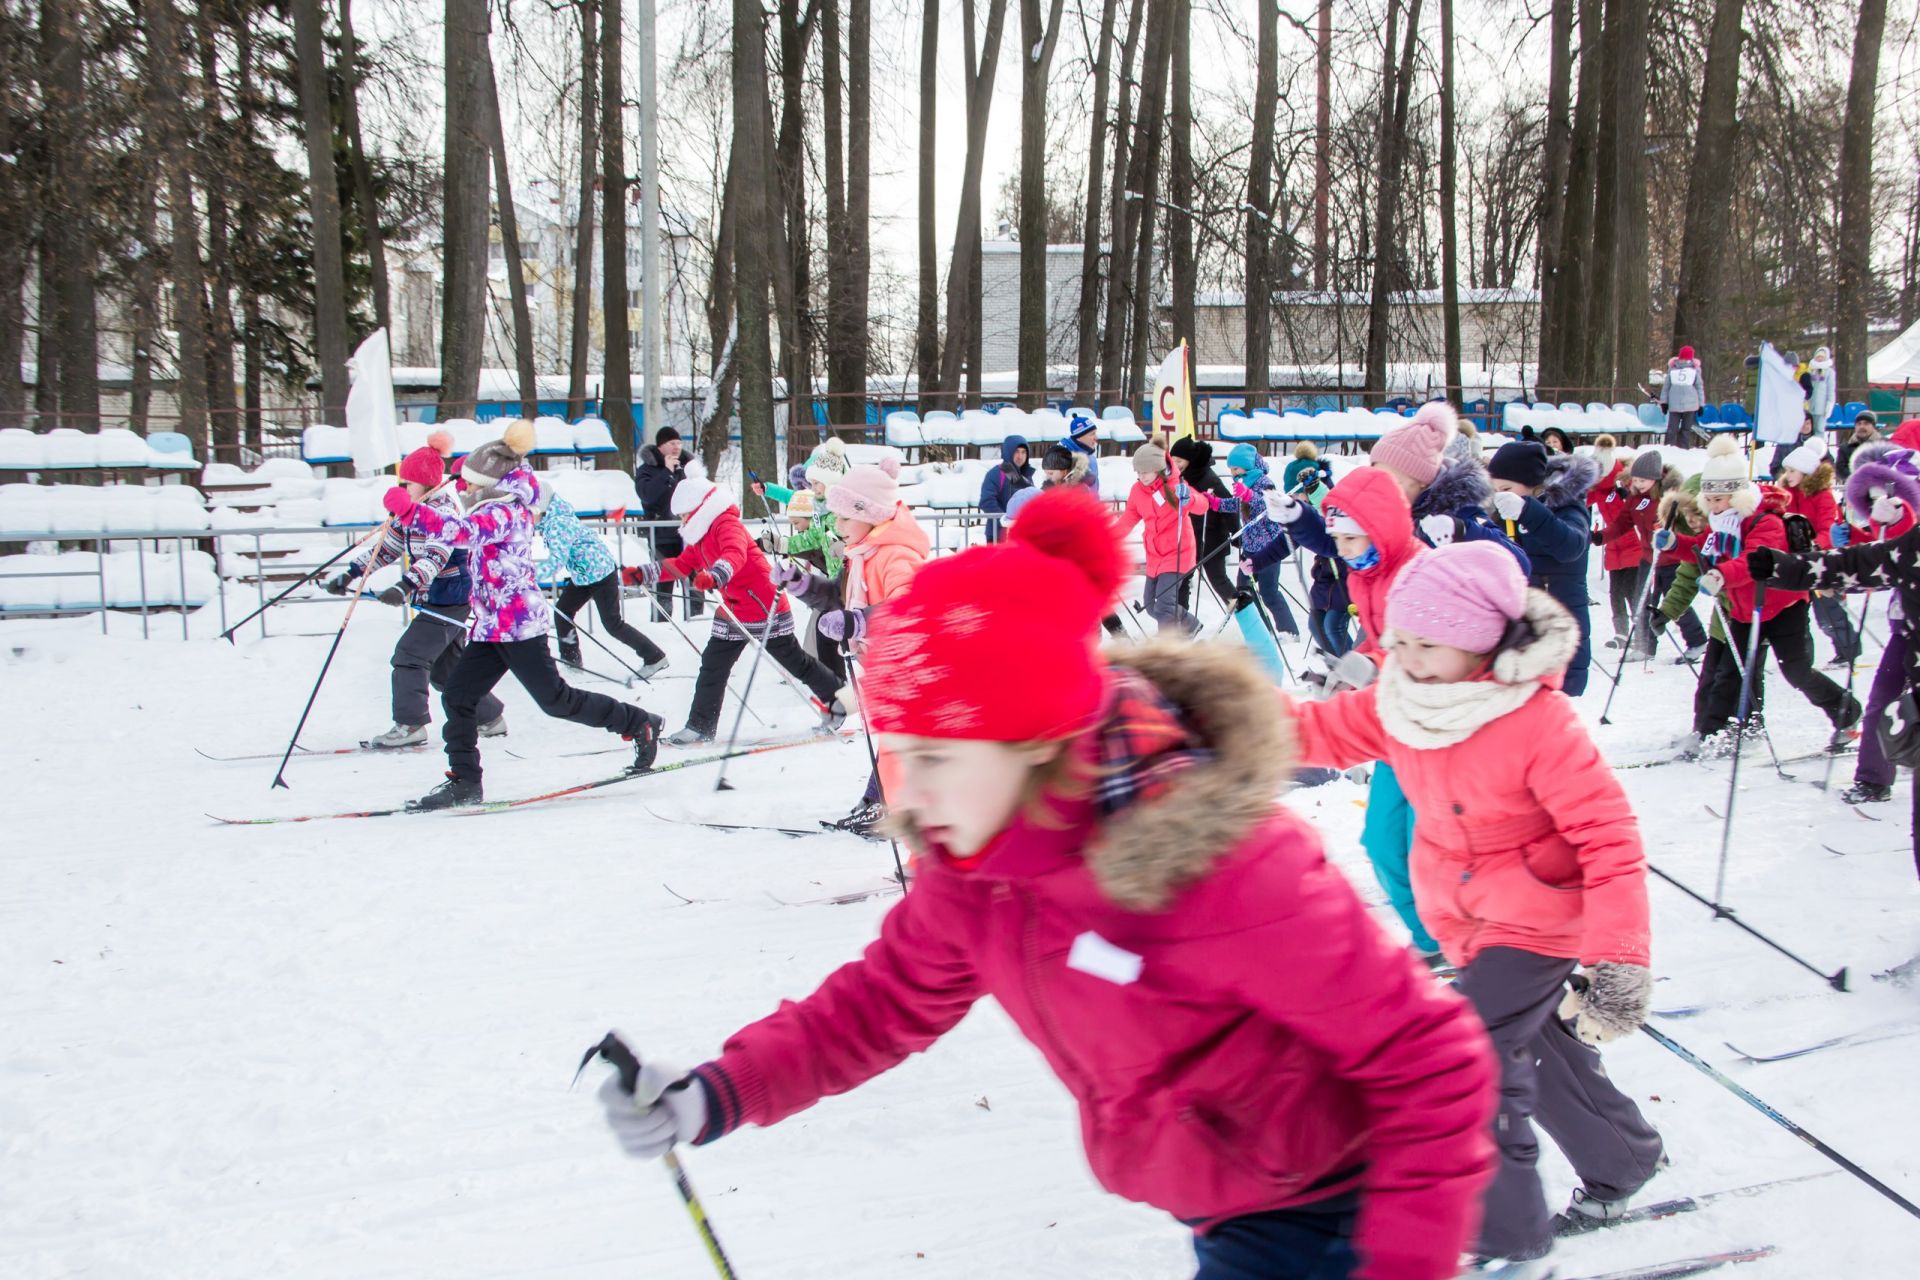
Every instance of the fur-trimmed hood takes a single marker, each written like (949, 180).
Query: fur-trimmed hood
(1570, 477)
(1680, 506)
(1821, 480)
(1460, 482)
(1543, 658)
(1887, 468)
(1143, 855)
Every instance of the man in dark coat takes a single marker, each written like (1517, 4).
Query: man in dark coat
(660, 472)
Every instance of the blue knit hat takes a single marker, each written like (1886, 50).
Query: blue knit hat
(1244, 457)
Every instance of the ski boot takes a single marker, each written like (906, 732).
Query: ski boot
(570, 653)
(1866, 793)
(832, 717)
(1692, 654)
(646, 743)
(648, 670)
(1616, 642)
(495, 728)
(1588, 1212)
(866, 815)
(401, 735)
(689, 737)
(454, 793)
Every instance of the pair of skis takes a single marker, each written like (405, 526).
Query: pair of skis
(1701, 1263)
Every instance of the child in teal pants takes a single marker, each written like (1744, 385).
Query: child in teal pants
(1388, 839)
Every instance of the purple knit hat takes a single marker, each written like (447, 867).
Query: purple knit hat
(1463, 594)
(1414, 450)
(1886, 467)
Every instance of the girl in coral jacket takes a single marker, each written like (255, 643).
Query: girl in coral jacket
(1163, 503)
(1102, 853)
(1522, 872)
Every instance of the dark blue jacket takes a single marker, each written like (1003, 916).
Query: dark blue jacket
(999, 485)
(1555, 530)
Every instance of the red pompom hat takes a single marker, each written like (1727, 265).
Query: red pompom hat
(943, 656)
(424, 466)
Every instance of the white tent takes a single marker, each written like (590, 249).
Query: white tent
(1897, 363)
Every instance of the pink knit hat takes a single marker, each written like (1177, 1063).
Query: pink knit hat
(1463, 595)
(1414, 450)
(865, 493)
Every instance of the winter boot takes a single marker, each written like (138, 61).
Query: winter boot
(646, 743)
(1588, 1212)
(401, 735)
(1692, 654)
(496, 727)
(570, 652)
(832, 717)
(1866, 793)
(1846, 730)
(648, 670)
(866, 815)
(1617, 642)
(454, 793)
(689, 737)
(1689, 747)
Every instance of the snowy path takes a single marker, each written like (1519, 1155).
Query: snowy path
(343, 1049)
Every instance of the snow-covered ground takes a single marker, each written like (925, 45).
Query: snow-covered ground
(343, 1049)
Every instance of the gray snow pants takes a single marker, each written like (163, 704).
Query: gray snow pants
(1547, 1074)
(1163, 604)
(426, 655)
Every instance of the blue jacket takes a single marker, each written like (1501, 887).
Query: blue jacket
(571, 545)
(1460, 489)
(1555, 530)
(999, 485)
(1260, 534)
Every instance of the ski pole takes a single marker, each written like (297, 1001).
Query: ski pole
(1773, 1113)
(1859, 640)
(698, 652)
(280, 774)
(1740, 740)
(806, 695)
(311, 574)
(1837, 980)
(614, 1050)
(873, 758)
(1633, 629)
(603, 646)
(753, 669)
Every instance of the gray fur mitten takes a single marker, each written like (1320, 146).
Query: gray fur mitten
(1613, 1004)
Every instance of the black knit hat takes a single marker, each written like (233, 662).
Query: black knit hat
(1193, 450)
(1520, 461)
(665, 434)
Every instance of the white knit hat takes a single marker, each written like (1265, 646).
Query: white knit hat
(1806, 459)
(1725, 471)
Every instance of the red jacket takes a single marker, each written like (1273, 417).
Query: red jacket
(1541, 852)
(1238, 1033)
(1819, 508)
(1373, 498)
(1764, 528)
(1627, 537)
(1597, 495)
(1171, 544)
(748, 593)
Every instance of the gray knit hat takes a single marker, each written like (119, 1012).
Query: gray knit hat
(486, 465)
(1149, 460)
(1646, 466)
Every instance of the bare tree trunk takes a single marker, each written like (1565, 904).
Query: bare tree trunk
(1120, 224)
(1259, 295)
(144, 312)
(223, 406)
(1035, 67)
(926, 346)
(15, 238)
(510, 243)
(363, 193)
(840, 394)
(1708, 213)
(580, 346)
(1396, 90)
(753, 216)
(1449, 230)
(1322, 143)
(189, 296)
(1087, 373)
(68, 226)
(1632, 341)
(251, 352)
(616, 380)
(720, 324)
(46, 341)
(976, 329)
(792, 266)
(1594, 359)
(1143, 185)
(1853, 293)
(859, 259)
(323, 199)
(1180, 177)
(1553, 174)
(966, 233)
(1560, 366)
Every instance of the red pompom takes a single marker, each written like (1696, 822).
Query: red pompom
(1069, 523)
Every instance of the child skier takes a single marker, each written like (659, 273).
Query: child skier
(1807, 478)
(1542, 498)
(510, 616)
(1082, 442)
(1630, 512)
(1101, 852)
(436, 576)
(1682, 524)
(1214, 519)
(1738, 521)
(885, 547)
(1162, 504)
(1439, 471)
(590, 568)
(720, 556)
(1524, 872)
(1258, 532)
(1365, 524)
(1308, 476)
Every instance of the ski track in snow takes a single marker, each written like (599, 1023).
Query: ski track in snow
(343, 1049)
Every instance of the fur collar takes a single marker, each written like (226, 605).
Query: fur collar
(700, 520)
(1820, 481)
(1431, 716)
(1570, 477)
(1556, 638)
(1143, 856)
(1460, 482)
(1678, 505)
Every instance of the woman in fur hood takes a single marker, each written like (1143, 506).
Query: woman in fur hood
(1542, 497)
(1523, 873)
(1103, 854)
(1439, 470)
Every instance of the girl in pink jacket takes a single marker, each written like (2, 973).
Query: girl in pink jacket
(1163, 503)
(1102, 853)
(1526, 864)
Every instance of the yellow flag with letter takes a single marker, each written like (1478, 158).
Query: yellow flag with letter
(1173, 396)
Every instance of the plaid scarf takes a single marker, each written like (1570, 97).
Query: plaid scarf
(1143, 744)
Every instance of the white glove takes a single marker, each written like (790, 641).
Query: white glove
(1711, 583)
(1509, 505)
(667, 1106)
(1353, 670)
(1887, 509)
(1439, 529)
(1727, 524)
(1246, 566)
(1284, 507)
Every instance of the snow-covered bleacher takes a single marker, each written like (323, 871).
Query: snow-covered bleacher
(323, 445)
(118, 580)
(79, 510)
(115, 448)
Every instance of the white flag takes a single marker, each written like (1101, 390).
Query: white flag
(373, 424)
(1781, 402)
